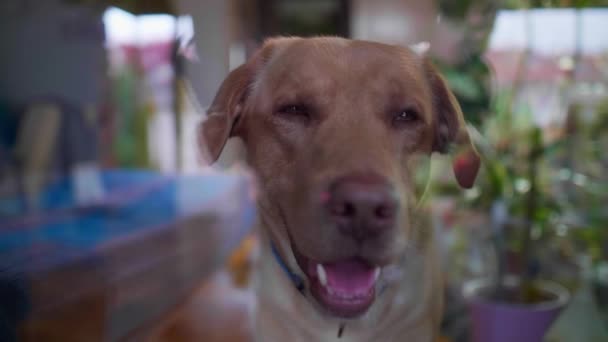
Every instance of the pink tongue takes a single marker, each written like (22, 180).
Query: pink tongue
(350, 276)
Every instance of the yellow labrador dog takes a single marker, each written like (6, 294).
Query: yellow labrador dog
(338, 131)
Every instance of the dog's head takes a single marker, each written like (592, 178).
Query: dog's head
(337, 130)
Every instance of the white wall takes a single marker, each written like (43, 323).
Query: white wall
(393, 21)
(553, 31)
(212, 36)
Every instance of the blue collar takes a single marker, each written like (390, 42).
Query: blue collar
(295, 279)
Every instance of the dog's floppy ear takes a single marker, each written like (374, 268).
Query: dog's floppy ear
(228, 104)
(451, 135)
(224, 112)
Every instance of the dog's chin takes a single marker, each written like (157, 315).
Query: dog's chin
(344, 288)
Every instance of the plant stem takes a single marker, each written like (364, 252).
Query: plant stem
(531, 204)
(499, 217)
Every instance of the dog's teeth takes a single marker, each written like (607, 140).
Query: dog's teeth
(376, 274)
(322, 275)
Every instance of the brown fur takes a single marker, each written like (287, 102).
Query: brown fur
(352, 90)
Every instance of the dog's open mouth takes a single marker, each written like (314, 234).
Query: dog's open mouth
(345, 288)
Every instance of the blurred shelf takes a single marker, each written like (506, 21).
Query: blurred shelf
(98, 272)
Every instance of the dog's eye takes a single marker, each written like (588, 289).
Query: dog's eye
(405, 116)
(294, 110)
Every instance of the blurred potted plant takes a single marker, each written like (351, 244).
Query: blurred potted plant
(515, 189)
(584, 192)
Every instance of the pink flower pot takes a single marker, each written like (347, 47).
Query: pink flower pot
(494, 321)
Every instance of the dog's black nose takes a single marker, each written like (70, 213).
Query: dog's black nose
(362, 206)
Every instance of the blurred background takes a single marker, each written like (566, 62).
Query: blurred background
(99, 102)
